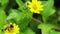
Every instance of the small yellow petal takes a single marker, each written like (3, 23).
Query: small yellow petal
(34, 1)
(28, 2)
(39, 2)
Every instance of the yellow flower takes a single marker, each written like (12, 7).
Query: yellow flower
(35, 6)
(11, 29)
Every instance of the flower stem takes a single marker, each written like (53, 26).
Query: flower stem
(36, 20)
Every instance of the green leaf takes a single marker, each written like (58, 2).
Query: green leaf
(45, 27)
(54, 32)
(1, 32)
(2, 20)
(21, 18)
(28, 31)
(48, 9)
(4, 2)
(33, 25)
(20, 3)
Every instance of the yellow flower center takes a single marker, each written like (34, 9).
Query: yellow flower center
(34, 7)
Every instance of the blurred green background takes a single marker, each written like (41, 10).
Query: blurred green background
(16, 11)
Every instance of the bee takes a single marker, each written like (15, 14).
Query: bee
(8, 27)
